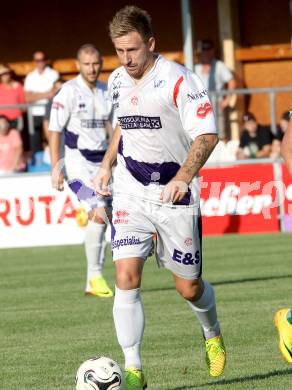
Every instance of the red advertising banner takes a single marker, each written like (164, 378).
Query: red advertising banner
(239, 199)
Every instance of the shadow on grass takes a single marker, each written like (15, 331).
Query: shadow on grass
(225, 282)
(256, 377)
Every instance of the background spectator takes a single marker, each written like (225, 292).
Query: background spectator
(11, 92)
(38, 86)
(276, 144)
(255, 140)
(10, 147)
(215, 76)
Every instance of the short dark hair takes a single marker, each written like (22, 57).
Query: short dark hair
(248, 116)
(128, 19)
(87, 48)
(286, 116)
(207, 44)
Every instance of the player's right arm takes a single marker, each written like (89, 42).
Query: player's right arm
(286, 147)
(59, 117)
(101, 180)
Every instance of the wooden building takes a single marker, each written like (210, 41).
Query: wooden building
(253, 37)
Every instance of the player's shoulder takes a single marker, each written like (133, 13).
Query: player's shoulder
(174, 71)
(67, 90)
(116, 76)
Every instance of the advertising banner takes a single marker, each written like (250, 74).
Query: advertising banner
(32, 213)
(239, 199)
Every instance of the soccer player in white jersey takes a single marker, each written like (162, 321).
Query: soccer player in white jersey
(81, 110)
(166, 133)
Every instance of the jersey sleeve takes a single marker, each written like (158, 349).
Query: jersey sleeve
(191, 99)
(61, 109)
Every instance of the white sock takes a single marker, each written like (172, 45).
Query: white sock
(94, 237)
(205, 310)
(129, 321)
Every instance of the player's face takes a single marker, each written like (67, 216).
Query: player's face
(89, 66)
(251, 126)
(135, 54)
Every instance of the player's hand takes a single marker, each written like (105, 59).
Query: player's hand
(101, 182)
(174, 191)
(57, 178)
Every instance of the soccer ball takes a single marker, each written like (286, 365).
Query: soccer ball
(99, 373)
(81, 217)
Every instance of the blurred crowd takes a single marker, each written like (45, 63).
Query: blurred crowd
(25, 148)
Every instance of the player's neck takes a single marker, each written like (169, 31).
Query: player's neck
(148, 66)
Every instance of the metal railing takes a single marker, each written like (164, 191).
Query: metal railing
(214, 96)
(271, 91)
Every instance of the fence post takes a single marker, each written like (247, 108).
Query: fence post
(273, 112)
(279, 192)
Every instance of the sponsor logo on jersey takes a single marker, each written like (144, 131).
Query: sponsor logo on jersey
(188, 241)
(57, 105)
(116, 244)
(203, 110)
(140, 122)
(92, 123)
(134, 100)
(159, 83)
(186, 258)
(121, 217)
(197, 95)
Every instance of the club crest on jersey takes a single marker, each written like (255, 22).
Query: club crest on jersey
(188, 241)
(203, 110)
(134, 100)
(159, 83)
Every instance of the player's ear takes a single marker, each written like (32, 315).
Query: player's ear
(151, 44)
(77, 65)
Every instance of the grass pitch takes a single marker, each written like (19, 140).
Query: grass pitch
(48, 327)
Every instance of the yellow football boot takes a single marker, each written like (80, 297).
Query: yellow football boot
(215, 355)
(283, 322)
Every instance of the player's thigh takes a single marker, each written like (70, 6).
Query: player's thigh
(179, 241)
(132, 231)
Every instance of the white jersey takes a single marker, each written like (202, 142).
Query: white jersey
(159, 118)
(81, 113)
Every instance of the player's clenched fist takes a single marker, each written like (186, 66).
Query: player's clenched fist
(101, 182)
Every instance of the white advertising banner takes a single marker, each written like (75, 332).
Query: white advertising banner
(32, 213)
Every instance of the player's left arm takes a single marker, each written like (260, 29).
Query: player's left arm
(194, 108)
(286, 147)
(199, 153)
(109, 130)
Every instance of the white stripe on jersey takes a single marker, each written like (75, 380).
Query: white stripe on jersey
(159, 117)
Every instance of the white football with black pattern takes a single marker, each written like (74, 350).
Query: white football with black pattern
(99, 373)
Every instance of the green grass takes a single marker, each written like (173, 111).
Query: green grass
(48, 327)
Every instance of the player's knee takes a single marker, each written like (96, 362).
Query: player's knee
(190, 291)
(127, 279)
(95, 217)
